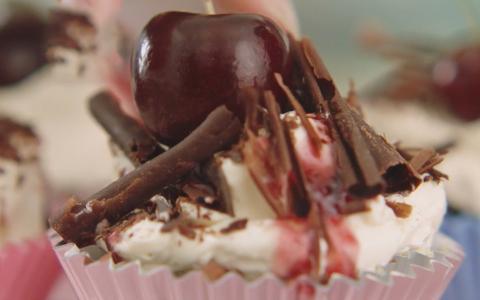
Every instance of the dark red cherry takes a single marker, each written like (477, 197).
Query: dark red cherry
(457, 78)
(186, 65)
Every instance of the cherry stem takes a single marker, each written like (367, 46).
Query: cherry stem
(209, 7)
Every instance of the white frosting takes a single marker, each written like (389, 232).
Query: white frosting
(380, 234)
(247, 200)
(250, 250)
(22, 193)
(424, 128)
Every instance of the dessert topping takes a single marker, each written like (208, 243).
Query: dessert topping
(125, 131)
(77, 223)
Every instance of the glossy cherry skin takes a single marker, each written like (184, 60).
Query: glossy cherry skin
(186, 65)
(457, 78)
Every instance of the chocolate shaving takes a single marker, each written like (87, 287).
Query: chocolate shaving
(251, 99)
(77, 223)
(279, 142)
(352, 207)
(315, 93)
(423, 161)
(234, 226)
(352, 99)
(422, 158)
(126, 132)
(401, 210)
(368, 164)
(277, 165)
(183, 226)
(313, 136)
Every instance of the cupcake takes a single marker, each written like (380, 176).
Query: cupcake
(25, 256)
(434, 88)
(247, 174)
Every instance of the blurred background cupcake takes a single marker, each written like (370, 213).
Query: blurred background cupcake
(46, 77)
(25, 256)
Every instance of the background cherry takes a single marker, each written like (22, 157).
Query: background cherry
(186, 65)
(457, 78)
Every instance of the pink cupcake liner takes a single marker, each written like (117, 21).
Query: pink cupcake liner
(28, 269)
(409, 276)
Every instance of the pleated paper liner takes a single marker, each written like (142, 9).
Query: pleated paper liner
(28, 269)
(466, 230)
(409, 276)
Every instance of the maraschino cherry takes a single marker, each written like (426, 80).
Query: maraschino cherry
(187, 64)
(457, 78)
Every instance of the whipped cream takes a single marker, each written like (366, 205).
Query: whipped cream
(380, 234)
(425, 128)
(250, 250)
(270, 245)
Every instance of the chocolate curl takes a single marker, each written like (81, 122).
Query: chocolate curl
(315, 104)
(79, 220)
(368, 164)
(279, 141)
(352, 99)
(312, 135)
(126, 132)
(424, 160)
(267, 163)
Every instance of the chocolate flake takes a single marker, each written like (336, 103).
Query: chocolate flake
(78, 221)
(272, 164)
(234, 226)
(401, 210)
(368, 164)
(279, 142)
(352, 99)
(126, 132)
(352, 207)
(423, 160)
(312, 135)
